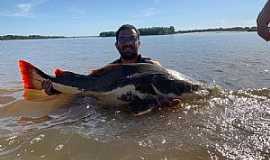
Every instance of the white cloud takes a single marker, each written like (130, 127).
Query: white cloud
(22, 9)
(76, 13)
(139, 18)
(149, 12)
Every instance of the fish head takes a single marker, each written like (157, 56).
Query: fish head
(181, 86)
(166, 85)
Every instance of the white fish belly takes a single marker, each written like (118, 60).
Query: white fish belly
(113, 97)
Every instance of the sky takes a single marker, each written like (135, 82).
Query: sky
(90, 17)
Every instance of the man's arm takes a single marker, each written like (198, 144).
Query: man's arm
(103, 70)
(263, 20)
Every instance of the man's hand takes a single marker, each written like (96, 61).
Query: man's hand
(48, 87)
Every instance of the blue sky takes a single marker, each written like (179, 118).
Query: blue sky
(89, 17)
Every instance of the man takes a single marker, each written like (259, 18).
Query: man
(127, 44)
(263, 21)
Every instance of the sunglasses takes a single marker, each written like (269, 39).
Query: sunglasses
(127, 39)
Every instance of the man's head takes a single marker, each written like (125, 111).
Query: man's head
(127, 41)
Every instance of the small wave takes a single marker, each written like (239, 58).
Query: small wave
(5, 91)
(218, 70)
(229, 124)
(238, 124)
(6, 99)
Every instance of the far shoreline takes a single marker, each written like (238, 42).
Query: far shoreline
(148, 33)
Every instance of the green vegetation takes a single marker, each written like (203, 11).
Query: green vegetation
(157, 30)
(145, 31)
(234, 29)
(12, 37)
(107, 34)
(171, 30)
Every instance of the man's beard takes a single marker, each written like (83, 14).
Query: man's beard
(128, 55)
(128, 52)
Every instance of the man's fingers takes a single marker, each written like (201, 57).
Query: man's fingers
(45, 83)
(47, 86)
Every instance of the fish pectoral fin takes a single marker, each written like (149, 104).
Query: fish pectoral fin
(138, 110)
(141, 107)
(147, 105)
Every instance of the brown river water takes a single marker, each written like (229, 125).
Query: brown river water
(231, 122)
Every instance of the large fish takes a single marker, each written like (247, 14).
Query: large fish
(134, 85)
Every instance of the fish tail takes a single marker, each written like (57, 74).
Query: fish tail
(31, 76)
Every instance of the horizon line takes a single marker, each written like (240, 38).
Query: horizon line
(81, 36)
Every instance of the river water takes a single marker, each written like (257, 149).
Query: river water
(232, 122)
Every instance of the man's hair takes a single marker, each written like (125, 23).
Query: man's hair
(125, 27)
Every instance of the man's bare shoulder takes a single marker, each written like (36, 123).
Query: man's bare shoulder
(155, 62)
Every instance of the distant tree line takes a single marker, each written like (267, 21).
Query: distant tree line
(107, 34)
(171, 30)
(145, 31)
(12, 37)
(248, 29)
(157, 30)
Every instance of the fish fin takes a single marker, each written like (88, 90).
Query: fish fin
(142, 106)
(141, 109)
(58, 72)
(32, 77)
